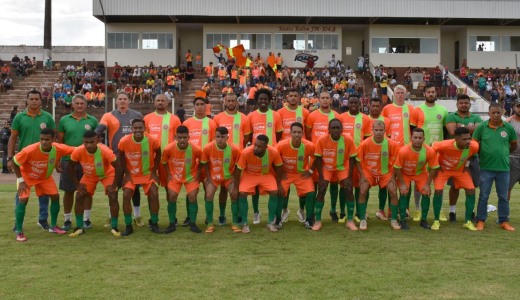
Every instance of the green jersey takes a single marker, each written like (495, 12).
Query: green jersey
(431, 120)
(470, 120)
(29, 126)
(73, 129)
(494, 145)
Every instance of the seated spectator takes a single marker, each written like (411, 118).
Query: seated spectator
(68, 100)
(7, 83)
(15, 61)
(45, 97)
(5, 70)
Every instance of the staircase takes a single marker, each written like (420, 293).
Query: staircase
(191, 87)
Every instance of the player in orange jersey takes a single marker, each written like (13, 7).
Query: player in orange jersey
(139, 156)
(219, 159)
(236, 122)
(291, 113)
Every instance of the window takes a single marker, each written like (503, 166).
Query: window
(289, 41)
(127, 40)
(255, 40)
(157, 41)
(226, 39)
(510, 43)
(322, 41)
(405, 45)
(484, 43)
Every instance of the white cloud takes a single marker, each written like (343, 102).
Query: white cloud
(72, 23)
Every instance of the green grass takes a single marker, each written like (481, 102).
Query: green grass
(294, 263)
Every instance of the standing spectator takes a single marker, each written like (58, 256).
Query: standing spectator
(13, 113)
(5, 133)
(181, 113)
(189, 59)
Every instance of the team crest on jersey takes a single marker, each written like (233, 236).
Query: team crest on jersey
(98, 165)
(43, 125)
(269, 124)
(439, 117)
(236, 126)
(405, 115)
(51, 161)
(87, 126)
(340, 151)
(265, 166)
(226, 160)
(300, 158)
(358, 125)
(188, 160)
(384, 153)
(299, 120)
(503, 134)
(145, 153)
(205, 131)
(165, 127)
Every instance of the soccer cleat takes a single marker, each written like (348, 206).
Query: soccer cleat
(20, 237)
(278, 225)
(128, 230)
(155, 228)
(235, 228)
(108, 223)
(436, 225)
(272, 227)
(442, 217)
(246, 229)
(469, 225)
(334, 216)
(222, 220)
(194, 228)
(308, 224)
(77, 231)
(356, 219)
(316, 226)
(43, 224)
(138, 221)
(395, 225)
(453, 217)
(416, 216)
(256, 218)
(351, 225)
(301, 215)
(424, 224)
(210, 229)
(67, 225)
(480, 225)
(186, 222)
(507, 226)
(363, 225)
(342, 218)
(380, 214)
(285, 215)
(87, 224)
(57, 230)
(171, 228)
(404, 225)
(115, 232)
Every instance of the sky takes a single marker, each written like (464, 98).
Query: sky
(72, 23)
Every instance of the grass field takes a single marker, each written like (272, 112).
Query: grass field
(294, 263)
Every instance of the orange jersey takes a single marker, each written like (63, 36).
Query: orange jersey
(295, 160)
(408, 160)
(335, 156)
(208, 109)
(452, 158)
(133, 156)
(371, 155)
(88, 164)
(220, 167)
(318, 121)
(260, 124)
(156, 125)
(357, 127)
(253, 165)
(290, 116)
(36, 165)
(399, 129)
(198, 135)
(237, 128)
(381, 118)
(182, 165)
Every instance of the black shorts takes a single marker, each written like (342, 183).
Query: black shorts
(66, 184)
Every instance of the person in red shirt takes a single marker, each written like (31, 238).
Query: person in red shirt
(453, 156)
(181, 160)
(219, 159)
(411, 165)
(376, 157)
(139, 155)
(99, 164)
(256, 168)
(33, 166)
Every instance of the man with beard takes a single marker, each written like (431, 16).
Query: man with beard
(236, 122)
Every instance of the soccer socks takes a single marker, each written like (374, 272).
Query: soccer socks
(137, 211)
(66, 217)
(154, 218)
(86, 214)
(55, 210)
(79, 220)
(403, 205)
(128, 219)
(470, 206)
(20, 216)
(356, 199)
(425, 206)
(114, 222)
(234, 212)
(194, 209)
(273, 208)
(303, 201)
(310, 202)
(243, 208)
(187, 207)
(342, 200)
(222, 209)
(394, 208)
(319, 209)
(285, 202)
(209, 211)
(362, 211)
(350, 209)
(255, 200)
(172, 211)
(383, 193)
(437, 205)
(333, 189)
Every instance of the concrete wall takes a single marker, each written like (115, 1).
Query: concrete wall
(59, 53)
(353, 36)
(191, 38)
(140, 56)
(497, 59)
(447, 48)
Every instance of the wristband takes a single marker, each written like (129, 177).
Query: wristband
(310, 171)
(20, 180)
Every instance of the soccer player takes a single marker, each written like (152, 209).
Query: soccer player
(296, 153)
(140, 155)
(117, 123)
(181, 160)
(453, 156)
(219, 159)
(33, 166)
(70, 132)
(376, 157)
(335, 154)
(291, 113)
(399, 113)
(462, 118)
(256, 168)
(98, 164)
(409, 166)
